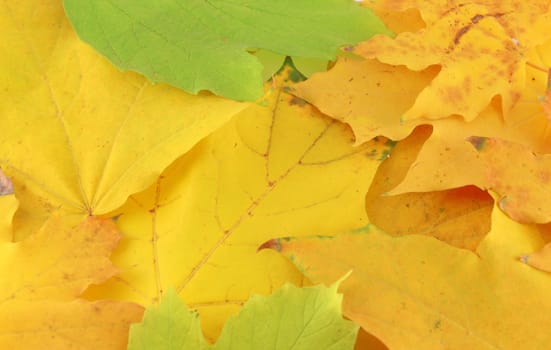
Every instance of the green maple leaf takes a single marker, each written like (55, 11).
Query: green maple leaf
(292, 318)
(202, 45)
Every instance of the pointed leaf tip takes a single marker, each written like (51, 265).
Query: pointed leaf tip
(271, 244)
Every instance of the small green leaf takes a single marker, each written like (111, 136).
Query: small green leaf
(170, 325)
(292, 318)
(202, 45)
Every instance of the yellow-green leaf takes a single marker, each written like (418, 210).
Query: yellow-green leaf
(291, 318)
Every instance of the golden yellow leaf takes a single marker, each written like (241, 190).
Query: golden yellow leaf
(41, 280)
(279, 167)
(83, 136)
(480, 48)
(404, 21)
(460, 217)
(368, 95)
(414, 292)
(520, 177)
(445, 155)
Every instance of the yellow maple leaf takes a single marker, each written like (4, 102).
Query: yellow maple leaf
(279, 166)
(479, 46)
(414, 292)
(83, 136)
(43, 276)
(460, 217)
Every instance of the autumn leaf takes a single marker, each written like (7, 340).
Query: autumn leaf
(480, 48)
(198, 227)
(351, 92)
(520, 177)
(203, 44)
(39, 305)
(460, 217)
(445, 155)
(414, 292)
(170, 325)
(291, 318)
(82, 136)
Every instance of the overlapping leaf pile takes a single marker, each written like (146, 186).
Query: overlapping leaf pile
(414, 176)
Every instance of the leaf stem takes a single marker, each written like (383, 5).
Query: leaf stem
(537, 67)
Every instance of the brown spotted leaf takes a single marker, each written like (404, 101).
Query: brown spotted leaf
(520, 177)
(480, 48)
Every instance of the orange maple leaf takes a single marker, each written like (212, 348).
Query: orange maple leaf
(39, 305)
(414, 292)
(479, 46)
(521, 178)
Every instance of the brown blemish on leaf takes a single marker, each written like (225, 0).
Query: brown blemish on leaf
(271, 244)
(297, 101)
(6, 186)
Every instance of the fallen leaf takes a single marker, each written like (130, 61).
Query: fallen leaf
(170, 325)
(290, 318)
(409, 20)
(415, 292)
(352, 92)
(198, 228)
(480, 48)
(521, 178)
(39, 306)
(460, 217)
(204, 43)
(83, 136)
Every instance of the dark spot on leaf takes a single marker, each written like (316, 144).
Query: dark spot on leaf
(271, 244)
(477, 141)
(297, 101)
